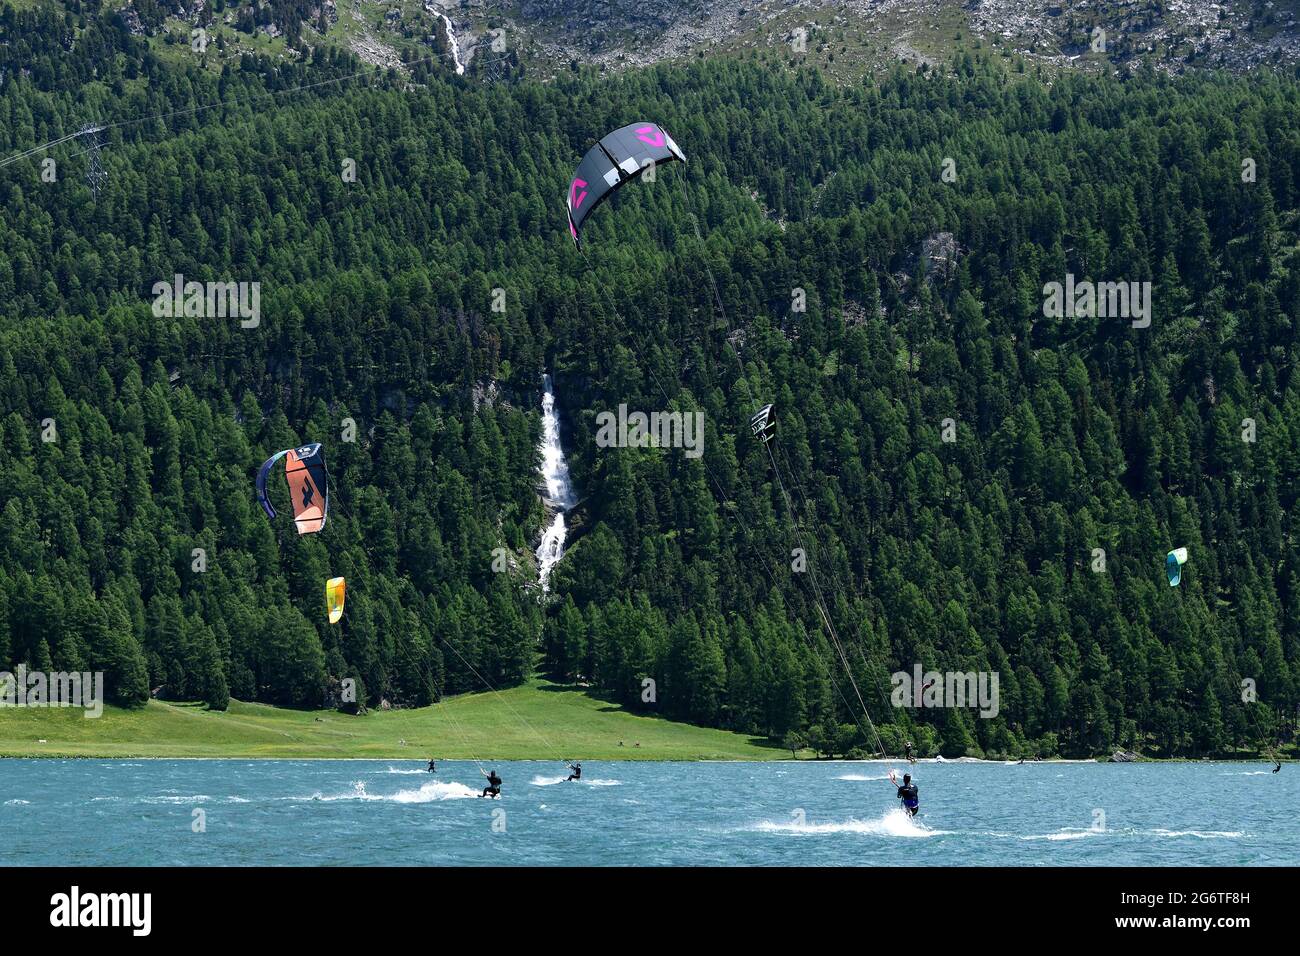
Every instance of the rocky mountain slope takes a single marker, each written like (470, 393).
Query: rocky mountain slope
(847, 37)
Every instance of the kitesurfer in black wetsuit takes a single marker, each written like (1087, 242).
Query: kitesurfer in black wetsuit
(494, 785)
(432, 768)
(1278, 767)
(909, 795)
(577, 772)
(907, 749)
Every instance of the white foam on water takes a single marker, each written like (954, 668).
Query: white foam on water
(430, 792)
(1075, 833)
(1068, 833)
(399, 770)
(862, 776)
(195, 798)
(18, 803)
(540, 781)
(894, 823)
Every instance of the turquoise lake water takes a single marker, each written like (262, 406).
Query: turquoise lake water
(389, 812)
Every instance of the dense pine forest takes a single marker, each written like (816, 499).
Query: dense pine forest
(424, 298)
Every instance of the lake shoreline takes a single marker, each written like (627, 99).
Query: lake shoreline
(540, 720)
(545, 758)
(642, 758)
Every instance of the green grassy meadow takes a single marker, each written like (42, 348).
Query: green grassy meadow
(538, 721)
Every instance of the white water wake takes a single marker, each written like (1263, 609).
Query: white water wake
(1068, 833)
(1080, 833)
(540, 781)
(894, 823)
(430, 792)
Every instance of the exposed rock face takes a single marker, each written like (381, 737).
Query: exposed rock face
(1096, 35)
(616, 14)
(484, 395)
(939, 253)
(1171, 35)
(1122, 756)
(606, 24)
(375, 52)
(131, 20)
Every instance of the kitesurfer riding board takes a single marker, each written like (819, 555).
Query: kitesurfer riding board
(908, 793)
(493, 788)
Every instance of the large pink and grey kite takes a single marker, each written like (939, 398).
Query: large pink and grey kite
(613, 162)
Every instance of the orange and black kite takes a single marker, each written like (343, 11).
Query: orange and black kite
(308, 486)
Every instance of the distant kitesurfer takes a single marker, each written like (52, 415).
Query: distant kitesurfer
(907, 749)
(1279, 765)
(493, 788)
(432, 768)
(577, 772)
(909, 795)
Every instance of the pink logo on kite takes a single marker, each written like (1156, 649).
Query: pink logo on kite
(651, 135)
(576, 198)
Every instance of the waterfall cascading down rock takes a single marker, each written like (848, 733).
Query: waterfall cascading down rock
(451, 37)
(559, 495)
